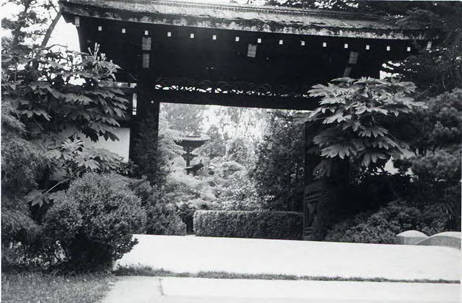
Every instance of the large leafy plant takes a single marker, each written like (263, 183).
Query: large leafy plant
(56, 95)
(53, 90)
(69, 161)
(354, 120)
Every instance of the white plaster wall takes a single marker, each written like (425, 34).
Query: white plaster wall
(120, 147)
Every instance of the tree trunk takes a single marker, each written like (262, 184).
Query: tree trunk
(50, 29)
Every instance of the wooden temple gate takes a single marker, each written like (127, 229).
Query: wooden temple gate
(234, 55)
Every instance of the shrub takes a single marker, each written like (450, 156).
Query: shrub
(249, 224)
(95, 220)
(162, 217)
(186, 212)
(164, 220)
(22, 165)
(239, 193)
(383, 225)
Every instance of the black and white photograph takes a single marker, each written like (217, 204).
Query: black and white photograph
(231, 151)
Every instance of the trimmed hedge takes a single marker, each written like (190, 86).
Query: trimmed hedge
(249, 224)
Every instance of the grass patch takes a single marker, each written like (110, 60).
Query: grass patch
(25, 287)
(148, 271)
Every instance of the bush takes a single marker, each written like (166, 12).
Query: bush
(186, 212)
(22, 165)
(239, 193)
(94, 221)
(162, 217)
(164, 220)
(249, 224)
(383, 225)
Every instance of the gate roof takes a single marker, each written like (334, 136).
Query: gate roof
(218, 15)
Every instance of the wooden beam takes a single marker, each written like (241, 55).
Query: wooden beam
(182, 97)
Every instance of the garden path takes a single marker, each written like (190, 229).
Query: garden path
(301, 258)
(195, 290)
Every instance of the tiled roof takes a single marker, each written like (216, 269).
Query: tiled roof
(218, 15)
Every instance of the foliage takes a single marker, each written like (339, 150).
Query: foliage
(248, 224)
(279, 168)
(168, 149)
(436, 162)
(239, 151)
(94, 221)
(383, 225)
(184, 118)
(145, 152)
(354, 119)
(439, 125)
(73, 159)
(437, 130)
(70, 160)
(194, 190)
(186, 212)
(48, 95)
(52, 91)
(23, 164)
(33, 22)
(226, 158)
(162, 217)
(216, 146)
(239, 193)
(436, 69)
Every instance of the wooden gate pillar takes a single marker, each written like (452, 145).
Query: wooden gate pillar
(145, 132)
(320, 195)
(311, 191)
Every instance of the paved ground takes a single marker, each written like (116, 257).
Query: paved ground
(195, 290)
(254, 256)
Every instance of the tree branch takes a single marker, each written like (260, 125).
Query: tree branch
(50, 29)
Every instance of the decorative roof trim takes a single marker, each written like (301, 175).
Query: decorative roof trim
(242, 18)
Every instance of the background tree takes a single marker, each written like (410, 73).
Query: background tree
(215, 147)
(279, 167)
(436, 130)
(32, 25)
(185, 118)
(436, 160)
(439, 68)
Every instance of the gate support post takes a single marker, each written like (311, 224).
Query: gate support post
(144, 134)
(310, 201)
(319, 196)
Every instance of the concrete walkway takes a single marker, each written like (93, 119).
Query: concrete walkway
(302, 258)
(182, 290)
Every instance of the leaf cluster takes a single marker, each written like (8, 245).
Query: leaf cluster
(354, 120)
(52, 90)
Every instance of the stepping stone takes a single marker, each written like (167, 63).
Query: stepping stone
(449, 239)
(410, 237)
